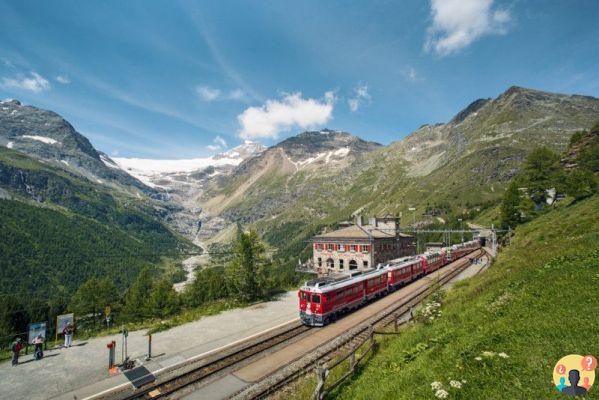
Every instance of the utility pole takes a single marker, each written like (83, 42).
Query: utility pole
(461, 229)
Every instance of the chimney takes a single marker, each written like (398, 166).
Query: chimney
(359, 219)
(372, 221)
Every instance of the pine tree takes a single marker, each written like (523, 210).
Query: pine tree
(93, 296)
(510, 206)
(136, 298)
(163, 300)
(248, 272)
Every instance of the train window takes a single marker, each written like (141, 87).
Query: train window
(382, 278)
(316, 299)
(304, 296)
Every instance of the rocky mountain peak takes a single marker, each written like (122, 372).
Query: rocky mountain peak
(470, 109)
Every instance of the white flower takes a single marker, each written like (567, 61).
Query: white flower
(488, 354)
(436, 385)
(441, 394)
(478, 358)
(503, 355)
(464, 381)
(455, 384)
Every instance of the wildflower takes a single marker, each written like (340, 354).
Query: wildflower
(455, 384)
(503, 355)
(436, 385)
(464, 381)
(488, 354)
(441, 394)
(478, 358)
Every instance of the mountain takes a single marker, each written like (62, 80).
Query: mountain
(66, 215)
(265, 185)
(47, 136)
(314, 179)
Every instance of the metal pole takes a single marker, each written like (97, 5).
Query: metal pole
(149, 347)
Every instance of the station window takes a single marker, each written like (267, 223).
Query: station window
(365, 264)
(353, 265)
(341, 247)
(319, 262)
(330, 263)
(341, 266)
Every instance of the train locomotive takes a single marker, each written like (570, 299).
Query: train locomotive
(325, 299)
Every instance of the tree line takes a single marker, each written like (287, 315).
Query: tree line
(546, 176)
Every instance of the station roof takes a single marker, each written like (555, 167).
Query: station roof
(359, 232)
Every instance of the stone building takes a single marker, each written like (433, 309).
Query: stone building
(359, 247)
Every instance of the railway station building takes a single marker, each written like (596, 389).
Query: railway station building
(359, 247)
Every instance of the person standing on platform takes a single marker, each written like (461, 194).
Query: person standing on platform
(68, 334)
(16, 347)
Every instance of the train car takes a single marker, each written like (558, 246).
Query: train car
(403, 271)
(432, 261)
(322, 300)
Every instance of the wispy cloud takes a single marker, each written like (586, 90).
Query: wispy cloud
(64, 79)
(458, 23)
(360, 97)
(276, 116)
(209, 94)
(33, 83)
(409, 73)
(218, 144)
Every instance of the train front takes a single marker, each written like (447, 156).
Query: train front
(310, 307)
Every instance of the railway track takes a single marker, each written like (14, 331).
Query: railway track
(351, 339)
(182, 376)
(195, 371)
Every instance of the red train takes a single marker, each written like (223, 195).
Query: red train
(323, 300)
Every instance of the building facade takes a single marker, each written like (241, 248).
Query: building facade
(359, 247)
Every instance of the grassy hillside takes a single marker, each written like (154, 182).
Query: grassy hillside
(537, 303)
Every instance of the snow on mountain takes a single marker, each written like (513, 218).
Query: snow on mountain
(151, 170)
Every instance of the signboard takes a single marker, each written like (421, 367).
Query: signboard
(35, 329)
(62, 321)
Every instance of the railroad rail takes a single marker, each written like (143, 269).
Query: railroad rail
(180, 376)
(193, 371)
(352, 339)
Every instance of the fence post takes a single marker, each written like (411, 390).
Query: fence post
(321, 375)
(352, 360)
(396, 323)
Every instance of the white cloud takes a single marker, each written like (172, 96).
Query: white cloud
(291, 111)
(236, 94)
(35, 83)
(207, 93)
(458, 23)
(218, 143)
(410, 74)
(361, 96)
(65, 80)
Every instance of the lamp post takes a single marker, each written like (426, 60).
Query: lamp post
(461, 229)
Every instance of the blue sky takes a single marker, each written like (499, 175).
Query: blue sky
(167, 79)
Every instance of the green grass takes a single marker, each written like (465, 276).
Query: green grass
(537, 303)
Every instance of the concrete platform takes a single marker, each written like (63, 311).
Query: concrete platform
(81, 371)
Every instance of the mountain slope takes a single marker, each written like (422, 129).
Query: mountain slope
(290, 191)
(45, 135)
